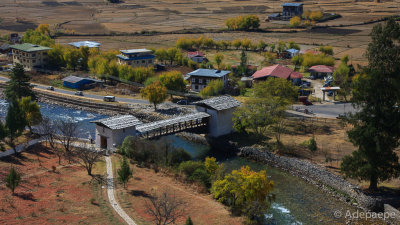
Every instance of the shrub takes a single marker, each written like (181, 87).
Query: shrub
(295, 21)
(243, 22)
(189, 167)
(178, 156)
(201, 176)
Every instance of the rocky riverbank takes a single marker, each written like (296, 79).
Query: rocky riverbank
(317, 175)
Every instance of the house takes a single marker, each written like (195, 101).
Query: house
(89, 44)
(290, 10)
(321, 71)
(111, 132)
(277, 71)
(5, 48)
(292, 52)
(197, 56)
(14, 38)
(30, 56)
(221, 110)
(80, 83)
(200, 78)
(136, 57)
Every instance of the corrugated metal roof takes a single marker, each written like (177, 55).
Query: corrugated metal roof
(292, 50)
(90, 44)
(209, 73)
(147, 127)
(134, 51)
(322, 69)
(273, 71)
(219, 103)
(27, 47)
(292, 4)
(118, 122)
(75, 79)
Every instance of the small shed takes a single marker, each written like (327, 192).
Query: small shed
(292, 9)
(80, 83)
(292, 52)
(111, 132)
(221, 110)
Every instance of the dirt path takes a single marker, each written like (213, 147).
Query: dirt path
(110, 193)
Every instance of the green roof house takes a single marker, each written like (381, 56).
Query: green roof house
(30, 56)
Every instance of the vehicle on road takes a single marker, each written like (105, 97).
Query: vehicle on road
(109, 98)
(80, 93)
(51, 88)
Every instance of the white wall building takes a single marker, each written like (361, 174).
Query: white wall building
(221, 110)
(111, 132)
(30, 56)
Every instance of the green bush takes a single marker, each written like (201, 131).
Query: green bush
(178, 156)
(189, 167)
(201, 176)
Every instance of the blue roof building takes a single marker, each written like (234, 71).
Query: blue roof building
(90, 44)
(136, 57)
(292, 52)
(292, 9)
(200, 78)
(80, 83)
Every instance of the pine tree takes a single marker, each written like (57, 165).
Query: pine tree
(125, 172)
(19, 85)
(12, 179)
(189, 221)
(15, 123)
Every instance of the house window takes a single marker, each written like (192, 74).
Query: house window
(143, 61)
(208, 81)
(196, 87)
(123, 130)
(200, 81)
(33, 61)
(44, 53)
(193, 80)
(33, 54)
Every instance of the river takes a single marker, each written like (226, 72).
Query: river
(296, 201)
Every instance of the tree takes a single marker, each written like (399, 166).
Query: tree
(31, 111)
(341, 77)
(172, 53)
(328, 50)
(218, 59)
(12, 179)
(72, 57)
(246, 43)
(165, 208)
(237, 43)
(83, 61)
(295, 21)
(312, 145)
(47, 129)
(189, 221)
(215, 87)
(15, 123)
(211, 165)
(87, 156)
(67, 132)
(124, 172)
(240, 189)
(44, 29)
(18, 86)
(56, 57)
(156, 93)
(281, 46)
(173, 81)
(262, 45)
(376, 126)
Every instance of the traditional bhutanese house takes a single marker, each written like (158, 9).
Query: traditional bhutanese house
(197, 56)
(277, 71)
(80, 83)
(292, 52)
(111, 132)
(296, 77)
(221, 110)
(4, 48)
(31, 56)
(136, 57)
(200, 78)
(321, 71)
(89, 44)
(290, 10)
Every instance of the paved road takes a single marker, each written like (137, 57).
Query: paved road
(97, 97)
(328, 110)
(110, 193)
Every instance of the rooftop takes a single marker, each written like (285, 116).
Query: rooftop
(75, 79)
(27, 47)
(292, 4)
(196, 53)
(135, 51)
(322, 69)
(273, 71)
(292, 50)
(118, 122)
(123, 57)
(219, 103)
(90, 44)
(209, 73)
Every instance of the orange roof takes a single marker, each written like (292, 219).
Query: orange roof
(273, 71)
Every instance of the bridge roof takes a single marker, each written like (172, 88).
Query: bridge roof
(219, 103)
(118, 122)
(163, 123)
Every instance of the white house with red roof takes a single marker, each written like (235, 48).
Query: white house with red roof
(278, 71)
(321, 71)
(197, 56)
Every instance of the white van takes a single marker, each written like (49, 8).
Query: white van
(109, 98)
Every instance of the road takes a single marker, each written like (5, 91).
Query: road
(93, 96)
(328, 110)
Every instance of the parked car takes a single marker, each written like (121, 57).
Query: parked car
(182, 102)
(109, 98)
(312, 77)
(80, 93)
(51, 88)
(307, 102)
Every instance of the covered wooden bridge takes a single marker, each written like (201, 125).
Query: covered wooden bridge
(197, 122)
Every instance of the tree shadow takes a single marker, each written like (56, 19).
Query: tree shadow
(100, 179)
(26, 196)
(138, 193)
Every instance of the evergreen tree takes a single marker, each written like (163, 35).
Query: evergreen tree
(189, 221)
(15, 123)
(19, 86)
(376, 126)
(12, 179)
(125, 172)
(31, 111)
